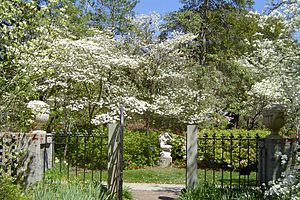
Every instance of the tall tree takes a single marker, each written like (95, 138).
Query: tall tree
(113, 14)
(205, 18)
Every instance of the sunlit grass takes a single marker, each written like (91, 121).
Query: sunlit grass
(159, 175)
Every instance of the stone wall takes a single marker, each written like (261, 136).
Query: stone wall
(30, 151)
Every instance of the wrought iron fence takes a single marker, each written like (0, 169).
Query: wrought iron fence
(228, 160)
(80, 155)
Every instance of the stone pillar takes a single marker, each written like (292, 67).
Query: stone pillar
(191, 158)
(275, 154)
(38, 148)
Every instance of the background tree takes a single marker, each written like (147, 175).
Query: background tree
(112, 14)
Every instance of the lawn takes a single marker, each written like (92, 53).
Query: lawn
(165, 176)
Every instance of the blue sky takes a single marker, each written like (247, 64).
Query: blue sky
(165, 6)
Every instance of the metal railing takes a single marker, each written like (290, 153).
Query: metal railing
(228, 161)
(76, 155)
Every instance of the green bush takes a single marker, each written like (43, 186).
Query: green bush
(211, 192)
(239, 152)
(210, 151)
(140, 150)
(88, 151)
(178, 149)
(127, 194)
(9, 190)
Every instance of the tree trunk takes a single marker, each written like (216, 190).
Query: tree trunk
(204, 32)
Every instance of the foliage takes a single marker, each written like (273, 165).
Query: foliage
(178, 149)
(156, 77)
(211, 192)
(127, 194)
(115, 14)
(275, 62)
(90, 151)
(288, 185)
(25, 28)
(81, 150)
(231, 149)
(140, 150)
(15, 157)
(56, 182)
(9, 190)
(49, 190)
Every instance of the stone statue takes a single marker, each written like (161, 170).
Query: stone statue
(165, 159)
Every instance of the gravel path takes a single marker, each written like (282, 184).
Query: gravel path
(143, 191)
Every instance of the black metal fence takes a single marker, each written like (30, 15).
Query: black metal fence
(80, 155)
(228, 160)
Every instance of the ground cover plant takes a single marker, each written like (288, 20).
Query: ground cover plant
(212, 192)
(9, 190)
(57, 185)
(70, 190)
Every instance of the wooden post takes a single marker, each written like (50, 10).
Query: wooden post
(112, 157)
(115, 156)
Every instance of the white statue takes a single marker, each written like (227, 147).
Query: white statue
(165, 154)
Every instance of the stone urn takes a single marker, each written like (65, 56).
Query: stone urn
(40, 111)
(274, 118)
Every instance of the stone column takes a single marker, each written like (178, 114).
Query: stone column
(191, 158)
(38, 156)
(275, 154)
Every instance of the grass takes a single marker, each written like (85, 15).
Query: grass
(167, 176)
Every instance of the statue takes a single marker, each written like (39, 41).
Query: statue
(165, 159)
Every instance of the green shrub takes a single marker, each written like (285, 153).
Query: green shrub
(210, 151)
(89, 152)
(240, 153)
(9, 190)
(140, 150)
(178, 149)
(127, 194)
(211, 192)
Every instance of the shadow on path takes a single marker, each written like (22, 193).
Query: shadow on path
(166, 198)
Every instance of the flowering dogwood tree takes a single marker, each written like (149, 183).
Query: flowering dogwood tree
(86, 75)
(275, 63)
(24, 29)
